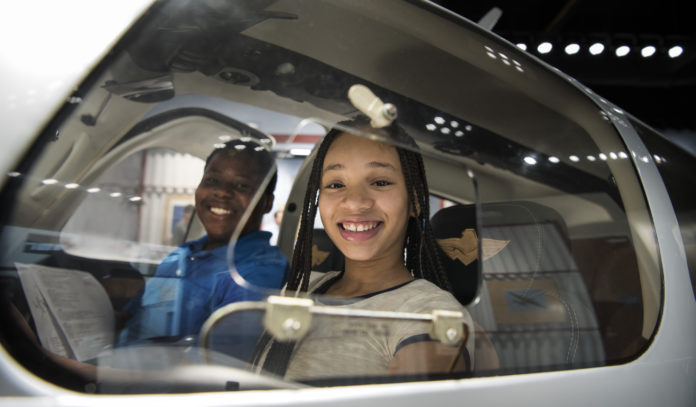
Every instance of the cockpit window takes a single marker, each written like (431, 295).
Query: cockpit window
(202, 206)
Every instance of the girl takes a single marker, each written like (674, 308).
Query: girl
(373, 201)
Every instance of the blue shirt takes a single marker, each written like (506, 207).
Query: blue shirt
(191, 283)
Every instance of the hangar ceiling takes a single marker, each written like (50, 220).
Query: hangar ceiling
(658, 89)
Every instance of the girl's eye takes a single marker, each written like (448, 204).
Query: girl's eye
(334, 185)
(382, 183)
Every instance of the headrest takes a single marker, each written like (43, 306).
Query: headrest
(516, 237)
(325, 255)
(454, 228)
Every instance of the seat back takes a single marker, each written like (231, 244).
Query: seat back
(533, 303)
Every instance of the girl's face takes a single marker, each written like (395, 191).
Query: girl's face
(363, 202)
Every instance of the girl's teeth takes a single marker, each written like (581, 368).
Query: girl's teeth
(219, 211)
(351, 227)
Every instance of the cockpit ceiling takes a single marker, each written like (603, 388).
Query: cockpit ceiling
(283, 56)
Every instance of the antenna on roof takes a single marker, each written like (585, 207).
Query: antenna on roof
(491, 18)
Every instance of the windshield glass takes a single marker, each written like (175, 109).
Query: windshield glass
(287, 193)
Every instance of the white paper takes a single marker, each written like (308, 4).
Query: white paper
(72, 311)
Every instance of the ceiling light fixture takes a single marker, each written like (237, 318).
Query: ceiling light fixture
(648, 51)
(597, 48)
(622, 51)
(675, 51)
(572, 48)
(545, 47)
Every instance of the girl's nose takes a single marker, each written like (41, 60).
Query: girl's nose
(357, 198)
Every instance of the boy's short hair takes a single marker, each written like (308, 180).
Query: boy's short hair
(258, 154)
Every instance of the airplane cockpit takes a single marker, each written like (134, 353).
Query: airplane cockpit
(540, 226)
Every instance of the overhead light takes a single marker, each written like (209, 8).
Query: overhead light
(300, 152)
(554, 159)
(545, 47)
(49, 181)
(648, 51)
(72, 185)
(622, 51)
(675, 51)
(596, 48)
(93, 190)
(572, 48)
(522, 46)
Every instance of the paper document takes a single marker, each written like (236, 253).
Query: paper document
(72, 312)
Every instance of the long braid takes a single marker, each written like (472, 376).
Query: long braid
(302, 256)
(420, 247)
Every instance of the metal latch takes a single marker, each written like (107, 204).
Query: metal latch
(288, 318)
(448, 327)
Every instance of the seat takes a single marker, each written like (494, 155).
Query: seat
(325, 255)
(533, 303)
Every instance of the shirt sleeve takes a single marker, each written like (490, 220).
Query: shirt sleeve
(260, 274)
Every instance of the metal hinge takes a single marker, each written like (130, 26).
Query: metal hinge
(448, 327)
(288, 318)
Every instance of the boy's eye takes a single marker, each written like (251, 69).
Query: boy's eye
(242, 187)
(382, 183)
(210, 180)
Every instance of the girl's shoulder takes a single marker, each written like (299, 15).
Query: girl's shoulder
(317, 279)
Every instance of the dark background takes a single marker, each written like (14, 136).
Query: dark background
(658, 90)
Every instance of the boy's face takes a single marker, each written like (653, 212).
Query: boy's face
(224, 193)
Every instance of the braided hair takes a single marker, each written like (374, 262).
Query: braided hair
(420, 249)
